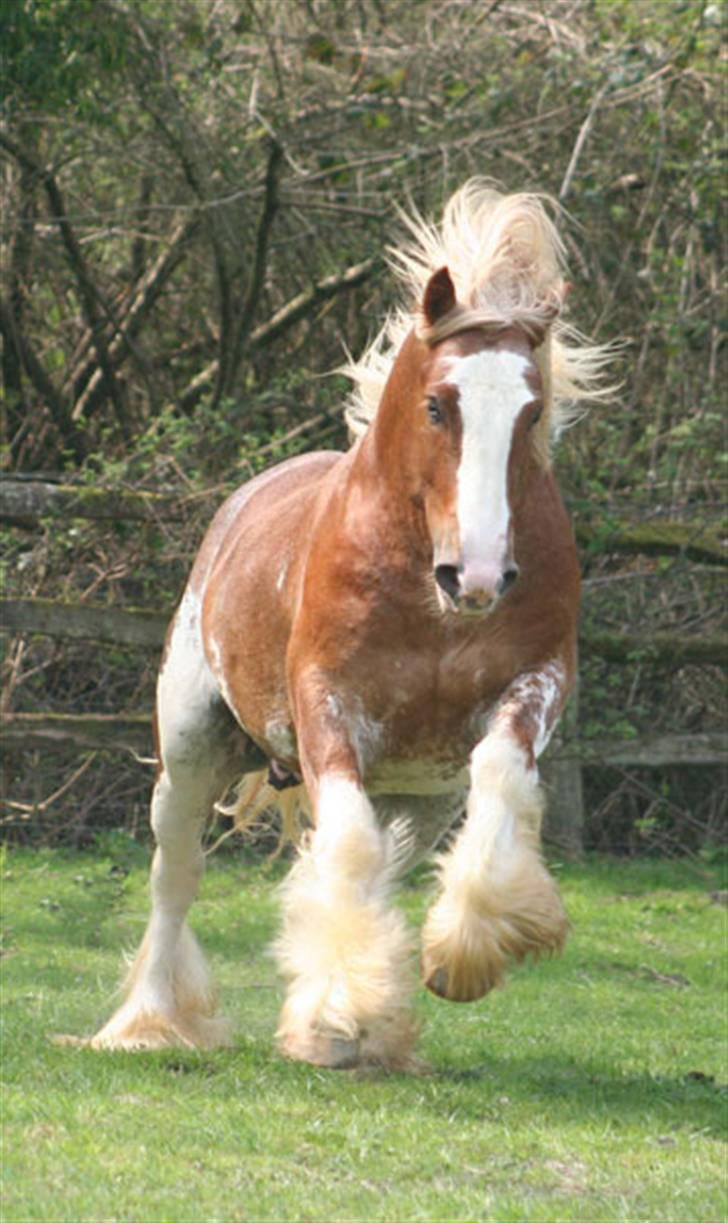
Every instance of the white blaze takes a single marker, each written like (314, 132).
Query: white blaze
(492, 389)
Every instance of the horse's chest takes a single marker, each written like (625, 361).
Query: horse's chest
(429, 707)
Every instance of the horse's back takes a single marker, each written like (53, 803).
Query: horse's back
(246, 580)
(259, 501)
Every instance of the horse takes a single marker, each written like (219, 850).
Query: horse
(392, 628)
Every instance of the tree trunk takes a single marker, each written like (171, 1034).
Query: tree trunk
(563, 827)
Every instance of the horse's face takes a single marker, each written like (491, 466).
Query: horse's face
(476, 410)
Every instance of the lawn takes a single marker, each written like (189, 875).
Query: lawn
(590, 1088)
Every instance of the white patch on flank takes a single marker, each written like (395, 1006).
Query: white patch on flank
(186, 683)
(492, 389)
(282, 573)
(219, 672)
(280, 736)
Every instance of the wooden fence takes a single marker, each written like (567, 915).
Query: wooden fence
(25, 503)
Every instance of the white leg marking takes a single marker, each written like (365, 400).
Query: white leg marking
(539, 696)
(497, 900)
(344, 950)
(170, 998)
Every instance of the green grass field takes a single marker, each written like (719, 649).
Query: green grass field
(590, 1088)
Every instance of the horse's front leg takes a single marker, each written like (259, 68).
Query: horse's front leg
(497, 901)
(344, 950)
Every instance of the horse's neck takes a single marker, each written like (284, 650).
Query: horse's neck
(376, 488)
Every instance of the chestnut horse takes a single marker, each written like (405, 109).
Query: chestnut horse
(394, 627)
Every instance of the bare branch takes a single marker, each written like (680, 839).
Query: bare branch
(237, 332)
(147, 293)
(290, 314)
(262, 242)
(88, 293)
(42, 382)
(580, 142)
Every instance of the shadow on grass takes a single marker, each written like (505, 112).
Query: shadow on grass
(504, 1091)
(588, 1091)
(563, 1089)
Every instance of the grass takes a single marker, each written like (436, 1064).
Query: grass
(588, 1089)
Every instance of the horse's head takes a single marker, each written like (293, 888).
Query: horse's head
(467, 385)
(469, 433)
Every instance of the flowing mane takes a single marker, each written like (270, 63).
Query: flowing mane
(507, 263)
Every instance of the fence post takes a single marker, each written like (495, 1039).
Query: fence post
(561, 775)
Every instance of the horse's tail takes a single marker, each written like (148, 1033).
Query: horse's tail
(254, 796)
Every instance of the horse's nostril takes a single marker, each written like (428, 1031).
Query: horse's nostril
(508, 577)
(448, 579)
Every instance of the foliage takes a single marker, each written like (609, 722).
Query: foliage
(216, 159)
(181, 183)
(588, 1088)
(55, 54)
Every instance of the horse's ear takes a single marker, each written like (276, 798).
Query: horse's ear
(550, 311)
(559, 295)
(555, 302)
(439, 297)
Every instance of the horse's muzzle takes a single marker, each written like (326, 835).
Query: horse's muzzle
(474, 593)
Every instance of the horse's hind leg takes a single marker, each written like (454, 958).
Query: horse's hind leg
(169, 995)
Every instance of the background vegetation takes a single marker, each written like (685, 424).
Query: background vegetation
(197, 200)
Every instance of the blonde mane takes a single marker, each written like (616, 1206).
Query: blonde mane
(506, 261)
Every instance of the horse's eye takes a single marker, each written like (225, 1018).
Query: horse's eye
(434, 410)
(535, 418)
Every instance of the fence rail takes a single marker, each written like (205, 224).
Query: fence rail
(132, 732)
(26, 503)
(146, 629)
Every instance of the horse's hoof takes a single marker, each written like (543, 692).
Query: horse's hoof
(343, 1054)
(437, 982)
(331, 1051)
(461, 985)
